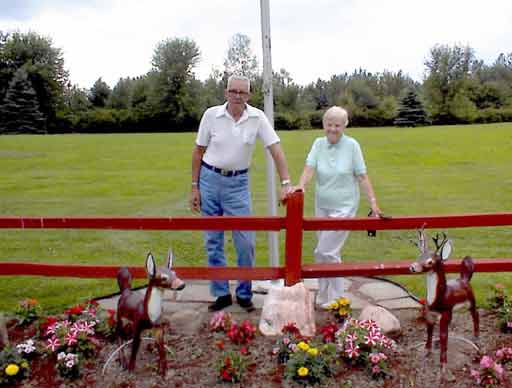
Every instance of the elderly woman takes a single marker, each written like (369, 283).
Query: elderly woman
(339, 165)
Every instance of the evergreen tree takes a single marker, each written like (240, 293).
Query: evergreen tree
(411, 112)
(20, 112)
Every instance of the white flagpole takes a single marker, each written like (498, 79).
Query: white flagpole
(273, 241)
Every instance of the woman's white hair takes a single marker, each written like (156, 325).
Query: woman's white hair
(336, 112)
(237, 77)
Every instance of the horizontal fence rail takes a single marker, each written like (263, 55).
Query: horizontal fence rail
(294, 225)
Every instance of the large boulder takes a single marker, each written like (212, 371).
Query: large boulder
(4, 338)
(388, 323)
(284, 305)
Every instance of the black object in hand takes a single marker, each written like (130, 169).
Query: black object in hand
(371, 233)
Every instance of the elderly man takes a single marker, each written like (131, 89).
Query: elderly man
(220, 178)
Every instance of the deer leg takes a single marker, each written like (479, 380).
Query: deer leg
(119, 333)
(162, 361)
(135, 347)
(430, 332)
(474, 315)
(446, 318)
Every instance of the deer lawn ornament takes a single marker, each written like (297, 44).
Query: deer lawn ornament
(443, 295)
(137, 312)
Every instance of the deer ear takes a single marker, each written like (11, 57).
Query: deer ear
(446, 250)
(170, 258)
(150, 265)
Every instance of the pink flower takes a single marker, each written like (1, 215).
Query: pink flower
(374, 358)
(53, 344)
(509, 324)
(371, 339)
(476, 375)
(486, 362)
(498, 369)
(353, 351)
(351, 337)
(286, 340)
(375, 369)
(71, 339)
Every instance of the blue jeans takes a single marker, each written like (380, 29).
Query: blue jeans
(230, 196)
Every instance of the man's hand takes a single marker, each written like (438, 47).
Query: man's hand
(195, 200)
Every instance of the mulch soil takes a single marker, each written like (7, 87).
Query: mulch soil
(192, 359)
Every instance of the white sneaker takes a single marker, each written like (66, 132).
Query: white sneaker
(327, 305)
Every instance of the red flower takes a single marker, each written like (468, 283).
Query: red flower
(220, 345)
(422, 302)
(111, 317)
(75, 310)
(225, 375)
(291, 329)
(244, 350)
(50, 320)
(328, 331)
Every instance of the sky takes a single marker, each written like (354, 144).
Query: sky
(311, 39)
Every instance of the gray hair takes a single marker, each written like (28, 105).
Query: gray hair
(237, 77)
(335, 112)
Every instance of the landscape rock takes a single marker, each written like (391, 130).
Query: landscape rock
(388, 323)
(187, 322)
(283, 305)
(4, 338)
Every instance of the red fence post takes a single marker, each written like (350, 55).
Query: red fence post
(293, 226)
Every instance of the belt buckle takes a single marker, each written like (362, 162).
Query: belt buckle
(224, 172)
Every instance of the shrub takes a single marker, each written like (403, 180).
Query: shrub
(310, 364)
(362, 343)
(28, 311)
(13, 367)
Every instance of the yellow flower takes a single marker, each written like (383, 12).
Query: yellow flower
(334, 306)
(343, 311)
(24, 364)
(12, 369)
(313, 352)
(344, 301)
(302, 371)
(303, 346)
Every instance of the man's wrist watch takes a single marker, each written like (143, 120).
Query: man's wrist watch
(285, 182)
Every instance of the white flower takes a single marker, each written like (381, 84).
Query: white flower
(61, 356)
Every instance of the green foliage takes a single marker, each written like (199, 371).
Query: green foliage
(13, 367)
(28, 311)
(100, 92)
(310, 363)
(43, 64)
(172, 94)
(19, 112)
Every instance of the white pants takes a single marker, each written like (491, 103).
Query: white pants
(328, 250)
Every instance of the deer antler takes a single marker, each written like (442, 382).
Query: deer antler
(422, 241)
(436, 240)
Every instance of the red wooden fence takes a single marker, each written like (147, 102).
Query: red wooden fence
(293, 223)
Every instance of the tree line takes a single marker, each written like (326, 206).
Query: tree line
(36, 95)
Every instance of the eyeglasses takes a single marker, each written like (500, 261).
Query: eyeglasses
(241, 93)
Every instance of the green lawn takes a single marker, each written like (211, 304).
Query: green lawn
(415, 171)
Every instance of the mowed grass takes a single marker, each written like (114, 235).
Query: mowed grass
(415, 171)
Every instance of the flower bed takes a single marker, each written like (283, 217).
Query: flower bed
(74, 347)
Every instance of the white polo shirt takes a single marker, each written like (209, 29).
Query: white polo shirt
(229, 144)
